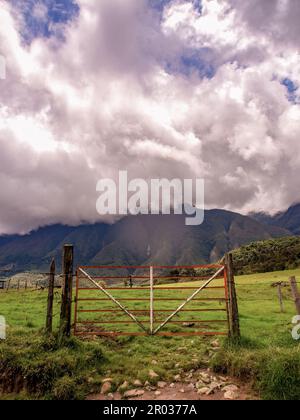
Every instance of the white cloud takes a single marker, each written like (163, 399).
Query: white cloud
(102, 100)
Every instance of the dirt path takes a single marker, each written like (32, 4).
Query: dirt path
(197, 385)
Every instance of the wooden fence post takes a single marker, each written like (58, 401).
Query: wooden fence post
(234, 320)
(66, 304)
(50, 298)
(280, 297)
(295, 293)
(8, 285)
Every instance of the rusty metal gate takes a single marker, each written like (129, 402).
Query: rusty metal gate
(151, 300)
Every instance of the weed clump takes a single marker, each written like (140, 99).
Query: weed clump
(275, 371)
(65, 389)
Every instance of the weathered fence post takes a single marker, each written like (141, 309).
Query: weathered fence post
(295, 293)
(234, 321)
(50, 298)
(8, 285)
(66, 304)
(280, 297)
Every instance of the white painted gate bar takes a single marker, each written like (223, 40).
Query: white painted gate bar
(151, 301)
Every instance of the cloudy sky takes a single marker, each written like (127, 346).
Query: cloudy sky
(162, 88)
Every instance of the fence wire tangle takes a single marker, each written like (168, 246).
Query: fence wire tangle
(148, 300)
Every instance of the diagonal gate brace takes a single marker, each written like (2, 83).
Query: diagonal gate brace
(113, 299)
(188, 300)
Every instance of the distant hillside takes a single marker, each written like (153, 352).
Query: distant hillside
(289, 219)
(137, 240)
(267, 256)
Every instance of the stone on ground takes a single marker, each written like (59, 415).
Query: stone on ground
(106, 387)
(204, 391)
(153, 374)
(231, 392)
(124, 386)
(231, 395)
(134, 393)
(231, 388)
(215, 344)
(138, 383)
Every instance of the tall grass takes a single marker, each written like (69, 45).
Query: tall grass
(273, 371)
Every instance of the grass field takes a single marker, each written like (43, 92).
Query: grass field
(267, 355)
(258, 305)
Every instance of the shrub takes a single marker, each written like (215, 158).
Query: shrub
(267, 256)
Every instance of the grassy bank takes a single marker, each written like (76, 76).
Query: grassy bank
(35, 367)
(274, 370)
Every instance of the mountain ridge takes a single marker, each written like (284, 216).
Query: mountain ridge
(289, 219)
(137, 240)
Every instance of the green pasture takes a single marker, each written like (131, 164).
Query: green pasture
(267, 355)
